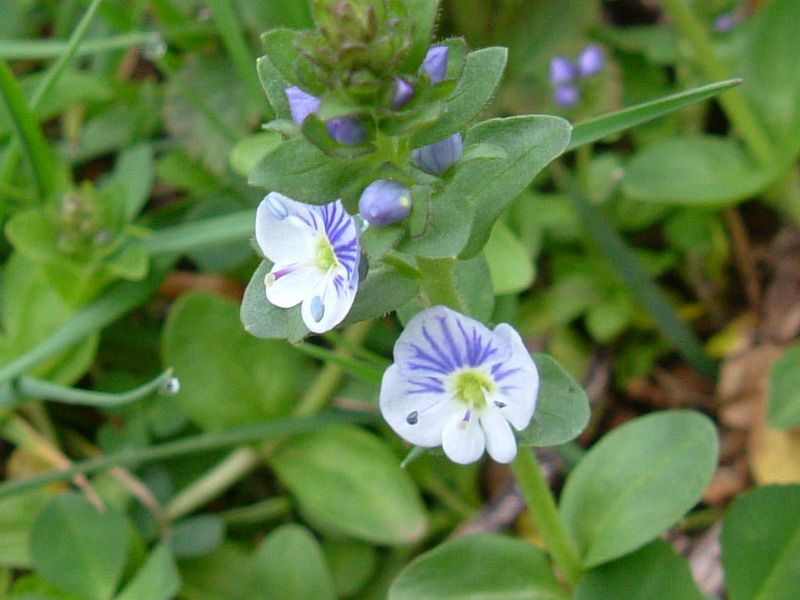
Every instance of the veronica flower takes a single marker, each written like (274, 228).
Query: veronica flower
(345, 130)
(457, 384)
(315, 251)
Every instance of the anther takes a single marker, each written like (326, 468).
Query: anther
(499, 404)
(412, 418)
(317, 308)
(276, 207)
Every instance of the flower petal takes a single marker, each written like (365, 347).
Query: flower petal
(438, 341)
(342, 233)
(418, 418)
(517, 380)
(500, 441)
(292, 285)
(335, 298)
(462, 440)
(286, 239)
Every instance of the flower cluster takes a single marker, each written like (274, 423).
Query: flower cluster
(457, 384)
(566, 75)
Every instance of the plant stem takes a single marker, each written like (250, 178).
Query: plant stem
(438, 282)
(542, 508)
(733, 101)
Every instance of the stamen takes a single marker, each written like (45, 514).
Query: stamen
(276, 208)
(317, 308)
(465, 420)
(412, 418)
(499, 404)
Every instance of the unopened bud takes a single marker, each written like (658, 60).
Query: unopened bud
(724, 22)
(439, 157)
(402, 92)
(561, 70)
(435, 63)
(384, 202)
(566, 96)
(347, 130)
(591, 61)
(301, 104)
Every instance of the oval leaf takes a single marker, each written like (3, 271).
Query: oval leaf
(478, 567)
(79, 549)
(637, 481)
(347, 481)
(784, 390)
(654, 572)
(761, 544)
(293, 567)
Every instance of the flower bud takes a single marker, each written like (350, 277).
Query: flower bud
(435, 63)
(724, 22)
(561, 70)
(347, 130)
(384, 202)
(402, 92)
(591, 61)
(439, 157)
(566, 96)
(301, 104)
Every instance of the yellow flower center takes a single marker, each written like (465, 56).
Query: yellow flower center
(326, 257)
(471, 388)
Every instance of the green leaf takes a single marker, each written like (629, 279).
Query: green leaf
(378, 241)
(562, 409)
(482, 73)
(17, 515)
(761, 544)
(352, 564)
(135, 171)
(274, 85)
(291, 562)
(694, 169)
(784, 390)
(248, 151)
(157, 579)
(509, 262)
(197, 535)
(347, 481)
(446, 227)
(78, 548)
(530, 143)
(228, 377)
(316, 132)
(765, 59)
(478, 567)
(598, 128)
(653, 572)
(304, 173)
(637, 481)
(473, 284)
(280, 46)
(265, 320)
(381, 292)
(227, 574)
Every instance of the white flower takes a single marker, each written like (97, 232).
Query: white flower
(315, 251)
(457, 384)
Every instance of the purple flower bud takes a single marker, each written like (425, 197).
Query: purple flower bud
(566, 96)
(402, 93)
(724, 22)
(347, 130)
(561, 70)
(384, 202)
(301, 104)
(437, 158)
(435, 63)
(591, 61)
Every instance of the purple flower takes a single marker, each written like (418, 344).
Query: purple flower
(316, 252)
(561, 70)
(457, 384)
(435, 63)
(566, 96)
(439, 157)
(402, 93)
(724, 22)
(384, 202)
(345, 130)
(591, 61)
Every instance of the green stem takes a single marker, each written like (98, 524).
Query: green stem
(732, 101)
(438, 282)
(543, 510)
(258, 513)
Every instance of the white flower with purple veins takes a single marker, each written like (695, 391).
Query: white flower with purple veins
(457, 384)
(315, 251)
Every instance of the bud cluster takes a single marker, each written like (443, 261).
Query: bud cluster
(81, 221)
(566, 75)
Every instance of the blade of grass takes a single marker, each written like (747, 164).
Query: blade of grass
(48, 81)
(350, 365)
(203, 442)
(28, 134)
(196, 235)
(235, 42)
(627, 265)
(605, 125)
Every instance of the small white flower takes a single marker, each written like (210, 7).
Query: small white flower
(315, 251)
(457, 384)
